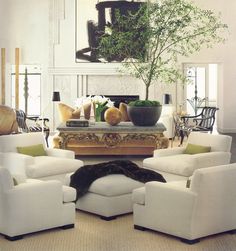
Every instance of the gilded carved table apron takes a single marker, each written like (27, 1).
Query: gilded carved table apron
(103, 139)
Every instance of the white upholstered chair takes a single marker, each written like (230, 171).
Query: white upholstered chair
(33, 206)
(207, 207)
(173, 164)
(56, 165)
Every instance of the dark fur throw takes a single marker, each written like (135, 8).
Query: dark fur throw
(85, 175)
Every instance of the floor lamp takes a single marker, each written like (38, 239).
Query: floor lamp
(167, 108)
(55, 98)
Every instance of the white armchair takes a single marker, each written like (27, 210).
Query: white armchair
(56, 165)
(33, 206)
(207, 207)
(173, 164)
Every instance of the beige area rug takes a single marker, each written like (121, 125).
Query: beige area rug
(93, 234)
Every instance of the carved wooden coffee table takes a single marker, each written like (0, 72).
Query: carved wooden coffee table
(103, 139)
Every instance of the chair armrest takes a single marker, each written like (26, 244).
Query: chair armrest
(168, 151)
(16, 163)
(169, 192)
(35, 206)
(34, 118)
(44, 119)
(138, 195)
(62, 153)
(190, 116)
(211, 159)
(169, 203)
(34, 196)
(37, 118)
(1, 157)
(205, 118)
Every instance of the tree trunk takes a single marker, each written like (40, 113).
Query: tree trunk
(147, 92)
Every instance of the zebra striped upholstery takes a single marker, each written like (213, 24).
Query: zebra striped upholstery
(202, 122)
(36, 127)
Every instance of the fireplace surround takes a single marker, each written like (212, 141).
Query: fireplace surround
(117, 99)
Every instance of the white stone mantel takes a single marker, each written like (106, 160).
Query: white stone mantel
(88, 69)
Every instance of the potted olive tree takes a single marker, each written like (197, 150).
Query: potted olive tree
(151, 39)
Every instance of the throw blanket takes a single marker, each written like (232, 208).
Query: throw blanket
(85, 175)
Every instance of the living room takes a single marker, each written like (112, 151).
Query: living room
(46, 35)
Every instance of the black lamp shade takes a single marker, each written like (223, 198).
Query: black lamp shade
(167, 99)
(56, 97)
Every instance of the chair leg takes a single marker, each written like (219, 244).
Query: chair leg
(108, 218)
(14, 238)
(190, 242)
(68, 226)
(181, 132)
(139, 228)
(232, 231)
(46, 138)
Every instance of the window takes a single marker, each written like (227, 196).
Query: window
(29, 89)
(202, 89)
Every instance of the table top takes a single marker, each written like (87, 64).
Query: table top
(121, 127)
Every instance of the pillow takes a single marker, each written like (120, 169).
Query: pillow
(34, 150)
(124, 113)
(194, 149)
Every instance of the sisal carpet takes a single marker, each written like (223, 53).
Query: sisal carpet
(93, 234)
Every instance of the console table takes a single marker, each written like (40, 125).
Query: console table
(102, 139)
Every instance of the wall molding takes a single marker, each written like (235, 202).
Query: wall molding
(56, 15)
(87, 69)
(226, 130)
(3, 76)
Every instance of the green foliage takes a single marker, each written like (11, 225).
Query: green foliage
(126, 38)
(150, 41)
(144, 103)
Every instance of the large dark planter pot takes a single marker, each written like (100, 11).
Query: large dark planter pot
(144, 116)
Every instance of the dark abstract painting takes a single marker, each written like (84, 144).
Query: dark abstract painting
(92, 18)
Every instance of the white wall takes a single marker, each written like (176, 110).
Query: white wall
(92, 78)
(45, 33)
(25, 25)
(224, 55)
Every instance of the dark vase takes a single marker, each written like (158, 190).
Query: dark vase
(144, 116)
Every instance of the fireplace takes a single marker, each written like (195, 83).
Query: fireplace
(117, 99)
